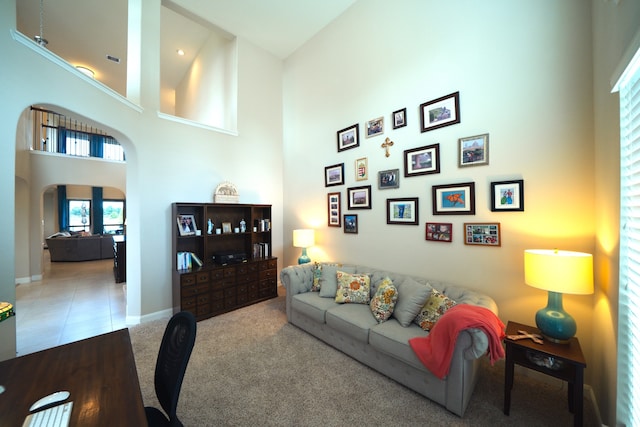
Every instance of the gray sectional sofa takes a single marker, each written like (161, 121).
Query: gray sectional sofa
(80, 248)
(352, 329)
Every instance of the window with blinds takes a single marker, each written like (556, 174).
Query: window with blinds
(628, 398)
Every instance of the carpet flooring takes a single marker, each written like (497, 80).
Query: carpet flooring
(250, 367)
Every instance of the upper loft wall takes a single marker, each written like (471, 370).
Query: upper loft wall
(201, 84)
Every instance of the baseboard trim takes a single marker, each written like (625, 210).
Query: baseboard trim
(136, 320)
(21, 280)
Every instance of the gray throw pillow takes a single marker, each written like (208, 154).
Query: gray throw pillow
(411, 297)
(329, 282)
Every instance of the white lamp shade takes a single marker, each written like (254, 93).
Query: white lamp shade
(559, 271)
(303, 238)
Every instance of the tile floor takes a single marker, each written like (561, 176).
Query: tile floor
(75, 300)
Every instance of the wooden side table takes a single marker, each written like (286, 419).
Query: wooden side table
(563, 361)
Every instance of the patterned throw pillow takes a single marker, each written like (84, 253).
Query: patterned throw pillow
(353, 288)
(435, 306)
(317, 274)
(384, 301)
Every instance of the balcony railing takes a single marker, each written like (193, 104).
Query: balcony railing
(57, 133)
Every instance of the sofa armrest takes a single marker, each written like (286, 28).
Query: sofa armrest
(477, 343)
(296, 279)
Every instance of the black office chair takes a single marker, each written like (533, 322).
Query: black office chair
(173, 356)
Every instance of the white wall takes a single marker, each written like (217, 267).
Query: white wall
(523, 70)
(208, 87)
(162, 155)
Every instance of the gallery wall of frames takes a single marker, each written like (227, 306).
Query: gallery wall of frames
(456, 198)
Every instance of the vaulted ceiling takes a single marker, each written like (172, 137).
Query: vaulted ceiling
(86, 32)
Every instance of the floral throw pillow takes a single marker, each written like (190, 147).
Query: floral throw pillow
(353, 288)
(317, 274)
(384, 301)
(434, 307)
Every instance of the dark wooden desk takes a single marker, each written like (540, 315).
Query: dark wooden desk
(99, 373)
(568, 365)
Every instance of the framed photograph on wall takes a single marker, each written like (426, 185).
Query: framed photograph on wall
(473, 150)
(359, 197)
(482, 233)
(375, 127)
(422, 161)
(507, 195)
(389, 179)
(348, 137)
(351, 223)
(362, 170)
(399, 118)
(454, 199)
(441, 112)
(402, 211)
(187, 225)
(334, 175)
(439, 231)
(333, 209)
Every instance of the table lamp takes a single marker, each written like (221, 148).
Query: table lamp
(559, 272)
(303, 238)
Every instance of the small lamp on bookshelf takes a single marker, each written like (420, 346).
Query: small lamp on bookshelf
(303, 238)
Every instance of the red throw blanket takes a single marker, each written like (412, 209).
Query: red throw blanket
(435, 350)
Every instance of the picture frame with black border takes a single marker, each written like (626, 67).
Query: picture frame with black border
(374, 127)
(403, 211)
(440, 112)
(399, 118)
(350, 223)
(334, 175)
(348, 137)
(334, 209)
(473, 150)
(507, 196)
(454, 199)
(186, 224)
(482, 234)
(388, 179)
(422, 160)
(359, 197)
(439, 231)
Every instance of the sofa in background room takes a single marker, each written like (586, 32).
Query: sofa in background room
(65, 247)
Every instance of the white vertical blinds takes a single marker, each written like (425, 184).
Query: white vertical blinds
(628, 394)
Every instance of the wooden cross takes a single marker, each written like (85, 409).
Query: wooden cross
(386, 145)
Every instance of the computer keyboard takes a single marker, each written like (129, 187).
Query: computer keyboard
(56, 416)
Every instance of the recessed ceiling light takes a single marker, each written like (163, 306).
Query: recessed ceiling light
(86, 71)
(180, 52)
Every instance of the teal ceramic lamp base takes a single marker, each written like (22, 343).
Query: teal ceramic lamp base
(555, 324)
(304, 258)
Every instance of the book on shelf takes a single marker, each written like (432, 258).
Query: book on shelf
(184, 261)
(260, 250)
(195, 259)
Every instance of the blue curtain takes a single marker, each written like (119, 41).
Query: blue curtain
(63, 208)
(62, 141)
(98, 214)
(96, 146)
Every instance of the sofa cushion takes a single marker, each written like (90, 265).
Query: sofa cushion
(434, 307)
(354, 320)
(393, 339)
(352, 288)
(312, 305)
(384, 301)
(411, 298)
(329, 281)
